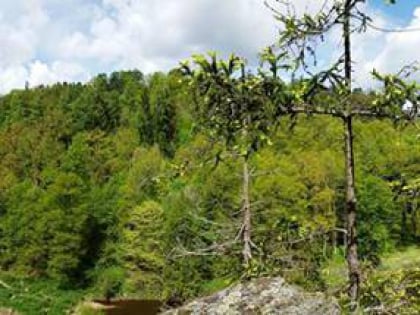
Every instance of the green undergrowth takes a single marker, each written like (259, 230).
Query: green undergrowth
(29, 296)
(334, 272)
(216, 285)
(407, 258)
(394, 286)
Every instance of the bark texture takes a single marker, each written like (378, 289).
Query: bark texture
(352, 255)
(351, 204)
(246, 208)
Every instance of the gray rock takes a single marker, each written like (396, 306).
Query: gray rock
(267, 296)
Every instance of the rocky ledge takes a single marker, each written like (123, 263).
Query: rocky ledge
(268, 296)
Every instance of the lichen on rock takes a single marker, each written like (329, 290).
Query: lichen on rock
(267, 296)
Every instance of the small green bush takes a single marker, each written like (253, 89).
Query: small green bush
(395, 292)
(110, 282)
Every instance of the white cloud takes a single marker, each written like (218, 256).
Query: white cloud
(37, 73)
(400, 48)
(387, 52)
(12, 77)
(44, 41)
(153, 35)
(18, 33)
(29, 33)
(58, 71)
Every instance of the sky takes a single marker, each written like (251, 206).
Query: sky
(46, 41)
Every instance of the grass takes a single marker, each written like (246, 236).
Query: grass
(215, 285)
(36, 297)
(334, 271)
(86, 309)
(409, 257)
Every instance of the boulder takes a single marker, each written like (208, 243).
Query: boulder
(261, 296)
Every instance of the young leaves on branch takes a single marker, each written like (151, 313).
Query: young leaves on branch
(231, 102)
(400, 98)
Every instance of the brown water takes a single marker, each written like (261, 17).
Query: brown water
(131, 307)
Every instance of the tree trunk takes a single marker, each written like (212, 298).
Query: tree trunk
(414, 216)
(352, 256)
(246, 208)
(405, 232)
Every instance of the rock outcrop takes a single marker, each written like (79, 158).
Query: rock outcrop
(268, 296)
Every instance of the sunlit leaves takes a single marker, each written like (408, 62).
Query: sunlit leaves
(399, 98)
(142, 249)
(231, 101)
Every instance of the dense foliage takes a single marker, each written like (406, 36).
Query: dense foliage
(111, 185)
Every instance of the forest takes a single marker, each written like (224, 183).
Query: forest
(169, 186)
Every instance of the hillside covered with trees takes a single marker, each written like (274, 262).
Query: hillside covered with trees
(110, 182)
(171, 186)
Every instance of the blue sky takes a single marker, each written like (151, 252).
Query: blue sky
(403, 10)
(45, 41)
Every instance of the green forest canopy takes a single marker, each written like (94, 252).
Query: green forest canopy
(110, 180)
